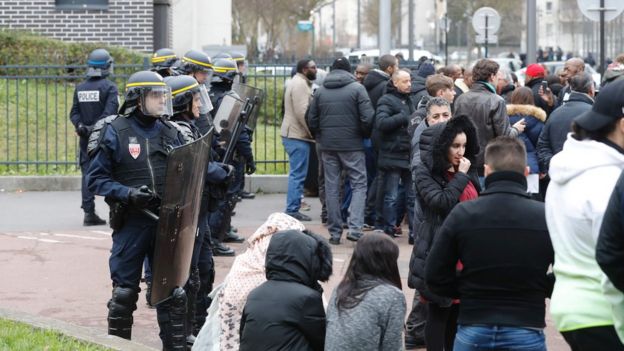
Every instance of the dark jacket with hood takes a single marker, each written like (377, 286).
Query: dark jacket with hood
(392, 120)
(375, 84)
(534, 118)
(438, 195)
(286, 312)
(419, 90)
(488, 113)
(340, 115)
(558, 125)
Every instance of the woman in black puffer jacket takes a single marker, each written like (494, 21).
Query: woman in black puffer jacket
(446, 177)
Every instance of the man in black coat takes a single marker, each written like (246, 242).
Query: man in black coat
(377, 79)
(544, 99)
(559, 124)
(502, 241)
(392, 119)
(340, 117)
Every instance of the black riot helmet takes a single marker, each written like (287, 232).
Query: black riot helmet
(222, 55)
(225, 70)
(100, 63)
(194, 61)
(187, 93)
(162, 60)
(147, 91)
(238, 58)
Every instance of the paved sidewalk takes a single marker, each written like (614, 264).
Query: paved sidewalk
(52, 266)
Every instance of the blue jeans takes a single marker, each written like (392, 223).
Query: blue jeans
(391, 180)
(298, 157)
(482, 337)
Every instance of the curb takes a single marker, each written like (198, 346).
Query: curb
(268, 184)
(85, 334)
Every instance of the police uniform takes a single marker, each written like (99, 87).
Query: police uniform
(128, 164)
(94, 99)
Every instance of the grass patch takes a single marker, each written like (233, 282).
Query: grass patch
(20, 336)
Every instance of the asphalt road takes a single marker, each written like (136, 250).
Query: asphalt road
(52, 266)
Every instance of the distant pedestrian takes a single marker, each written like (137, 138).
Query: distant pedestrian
(522, 107)
(559, 124)
(340, 118)
(447, 177)
(583, 176)
(486, 109)
(367, 309)
(286, 312)
(296, 136)
(502, 241)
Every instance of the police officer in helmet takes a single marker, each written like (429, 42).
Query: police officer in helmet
(198, 65)
(94, 99)
(242, 67)
(163, 61)
(225, 70)
(128, 164)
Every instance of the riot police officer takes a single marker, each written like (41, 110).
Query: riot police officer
(241, 66)
(199, 66)
(162, 62)
(94, 99)
(190, 100)
(128, 164)
(225, 70)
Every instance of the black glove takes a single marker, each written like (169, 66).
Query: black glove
(250, 166)
(229, 173)
(141, 197)
(83, 130)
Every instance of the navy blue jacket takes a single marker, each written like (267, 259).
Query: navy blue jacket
(534, 118)
(94, 99)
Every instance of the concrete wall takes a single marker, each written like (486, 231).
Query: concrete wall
(126, 23)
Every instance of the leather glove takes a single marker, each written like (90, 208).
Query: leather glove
(229, 170)
(83, 130)
(250, 166)
(141, 197)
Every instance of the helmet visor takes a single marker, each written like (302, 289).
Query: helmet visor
(201, 98)
(156, 102)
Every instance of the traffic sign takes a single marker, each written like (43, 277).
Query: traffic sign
(591, 9)
(305, 26)
(483, 15)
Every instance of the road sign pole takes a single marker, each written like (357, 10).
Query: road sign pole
(601, 64)
(486, 35)
(531, 32)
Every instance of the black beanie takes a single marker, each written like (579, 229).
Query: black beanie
(341, 63)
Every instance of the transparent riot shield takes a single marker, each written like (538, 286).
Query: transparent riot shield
(177, 223)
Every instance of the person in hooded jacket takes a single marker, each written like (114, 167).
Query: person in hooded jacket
(615, 71)
(522, 107)
(340, 117)
(447, 177)
(286, 312)
(419, 82)
(583, 176)
(392, 119)
(377, 79)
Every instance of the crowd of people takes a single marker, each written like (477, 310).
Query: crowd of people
(503, 188)
(510, 195)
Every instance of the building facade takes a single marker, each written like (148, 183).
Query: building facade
(126, 23)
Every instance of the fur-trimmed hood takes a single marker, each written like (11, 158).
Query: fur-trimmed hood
(436, 140)
(527, 110)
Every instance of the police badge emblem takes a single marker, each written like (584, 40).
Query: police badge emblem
(134, 147)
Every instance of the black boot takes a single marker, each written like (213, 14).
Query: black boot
(90, 218)
(231, 237)
(247, 195)
(192, 287)
(171, 317)
(221, 250)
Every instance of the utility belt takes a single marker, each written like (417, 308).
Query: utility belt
(121, 211)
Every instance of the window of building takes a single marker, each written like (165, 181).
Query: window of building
(549, 6)
(82, 4)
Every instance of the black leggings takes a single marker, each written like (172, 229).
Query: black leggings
(441, 327)
(593, 339)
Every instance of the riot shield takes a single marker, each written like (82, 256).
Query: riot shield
(179, 209)
(256, 96)
(227, 116)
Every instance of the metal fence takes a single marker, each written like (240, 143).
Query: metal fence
(35, 102)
